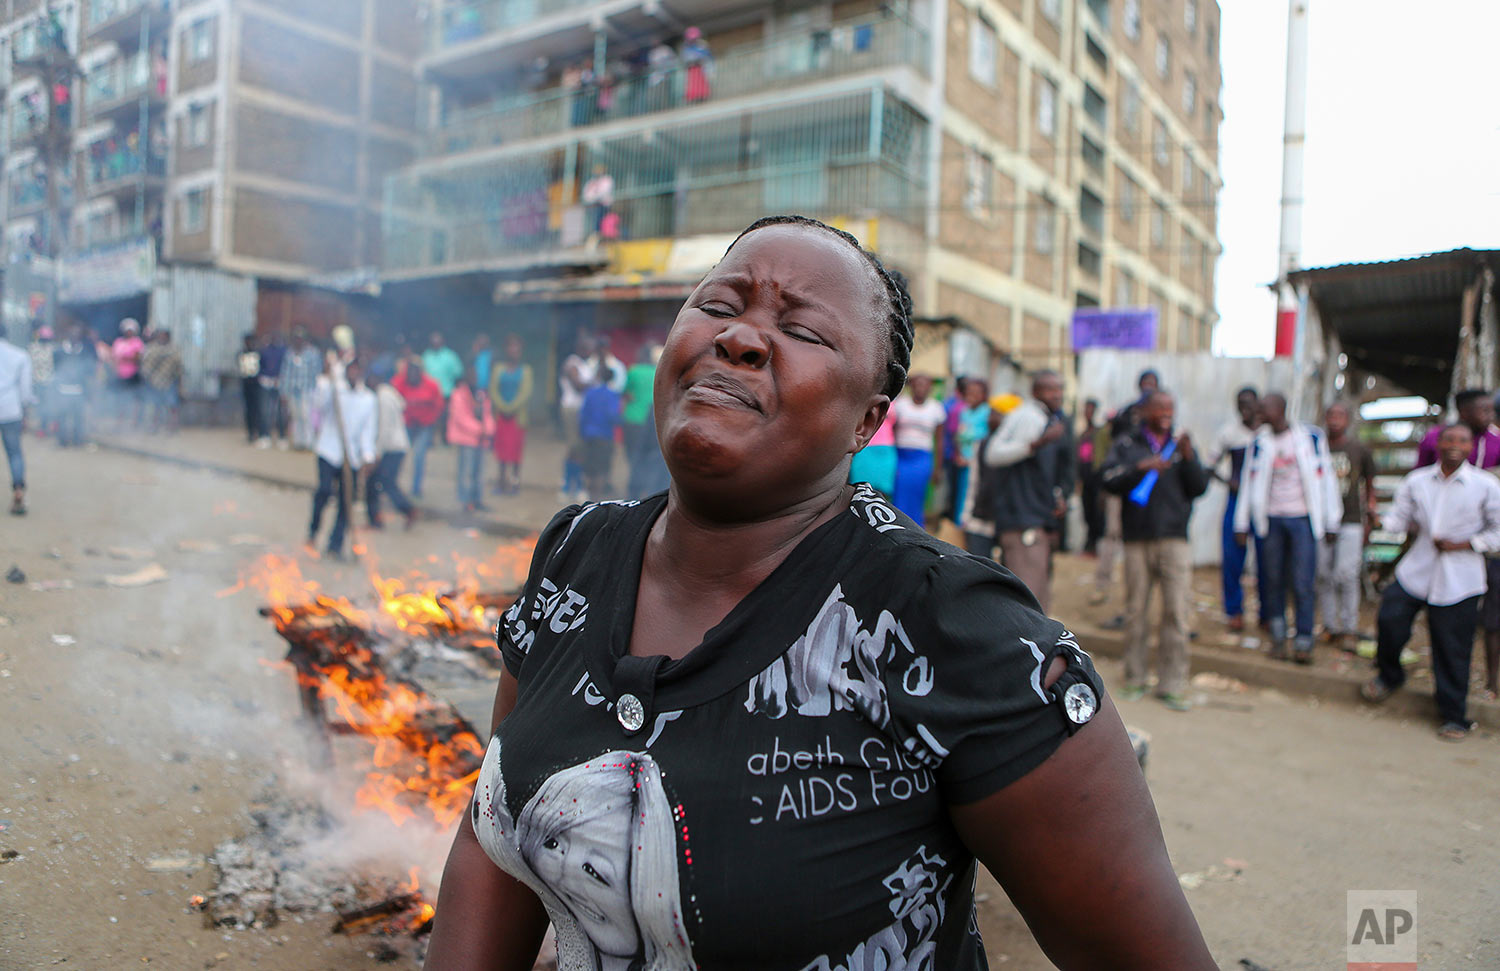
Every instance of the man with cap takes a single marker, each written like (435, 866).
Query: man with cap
(345, 418)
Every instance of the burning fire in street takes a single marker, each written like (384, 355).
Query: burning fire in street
(355, 661)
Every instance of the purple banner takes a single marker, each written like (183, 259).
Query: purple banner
(1124, 330)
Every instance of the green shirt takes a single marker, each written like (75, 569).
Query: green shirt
(638, 384)
(445, 367)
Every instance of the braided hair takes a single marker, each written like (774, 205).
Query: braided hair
(899, 334)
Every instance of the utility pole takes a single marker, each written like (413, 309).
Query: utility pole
(1288, 338)
(56, 66)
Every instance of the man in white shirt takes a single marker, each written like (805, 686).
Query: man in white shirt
(344, 422)
(1451, 514)
(15, 395)
(392, 443)
(1289, 494)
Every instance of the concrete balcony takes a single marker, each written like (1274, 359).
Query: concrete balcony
(124, 21)
(783, 64)
(856, 153)
(475, 38)
(121, 173)
(114, 90)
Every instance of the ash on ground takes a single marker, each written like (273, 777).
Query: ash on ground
(275, 872)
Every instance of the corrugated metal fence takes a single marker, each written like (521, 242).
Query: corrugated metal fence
(208, 313)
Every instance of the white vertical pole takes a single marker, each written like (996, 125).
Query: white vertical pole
(1289, 324)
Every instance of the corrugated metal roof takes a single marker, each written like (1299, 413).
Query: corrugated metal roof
(1399, 318)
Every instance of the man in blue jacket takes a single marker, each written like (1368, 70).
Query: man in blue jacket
(1158, 478)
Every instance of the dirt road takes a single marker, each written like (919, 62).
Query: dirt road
(141, 722)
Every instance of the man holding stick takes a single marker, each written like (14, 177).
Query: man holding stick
(345, 425)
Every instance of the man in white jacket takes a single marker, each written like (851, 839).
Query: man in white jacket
(1289, 495)
(344, 421)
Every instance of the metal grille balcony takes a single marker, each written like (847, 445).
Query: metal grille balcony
(783, 63)
(855, 155)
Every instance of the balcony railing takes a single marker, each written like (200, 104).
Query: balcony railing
(101, 12)
(119, 81)
(107, 165)
(848, 155)
(775, 65)
(466, 20)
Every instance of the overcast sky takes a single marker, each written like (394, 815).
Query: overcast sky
(1403, 142)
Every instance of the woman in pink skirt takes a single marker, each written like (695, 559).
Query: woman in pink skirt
(510, 393)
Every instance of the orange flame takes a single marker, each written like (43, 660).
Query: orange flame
(418, 765)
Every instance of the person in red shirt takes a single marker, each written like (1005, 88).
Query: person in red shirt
(424, 406)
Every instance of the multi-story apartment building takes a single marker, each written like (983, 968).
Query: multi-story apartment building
(238, 147)
(1016, 158)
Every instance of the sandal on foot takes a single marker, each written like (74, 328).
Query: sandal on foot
(1132, 692)
(1176, 702)
(1375, 691)
(1488, 694)
(1453, 732)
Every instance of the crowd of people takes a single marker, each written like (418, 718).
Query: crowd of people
(361, 420)
(1301, 498)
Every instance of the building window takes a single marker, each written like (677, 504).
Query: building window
(979, 183)
(1124, 288)
(1089, 260)
(1133, 19)
(1127, 199)
(1046, 107)
(1190, 16)
(1095, 51)
(1158, 225)
(1095, 106)
(1093, 154)
(195, 211)
(200, 40)
(1130, 107)
(1052, 10)
(1189, 175)
(1042, 229)
(1211, 39)
(1188, 242)
(1159, 142)
(197, 127)
(1091, 211)
(982, 47)
(1189, 95)
(1163, 57)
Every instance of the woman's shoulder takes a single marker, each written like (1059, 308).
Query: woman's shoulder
(577, 528)
(911, 559)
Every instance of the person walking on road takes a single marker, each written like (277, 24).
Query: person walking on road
(1232, 442)
(1034, 454)
(392, 443)
(345, 418)
(424, 408)
(1476, 411)
(1289, 495)
(1158, 477)
(1340, 562)
(1451, 515)
(16, 394)
(510, 395)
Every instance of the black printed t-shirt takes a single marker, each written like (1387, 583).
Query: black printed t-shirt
(777, 799)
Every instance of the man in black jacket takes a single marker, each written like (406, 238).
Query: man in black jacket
(1158, 478)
